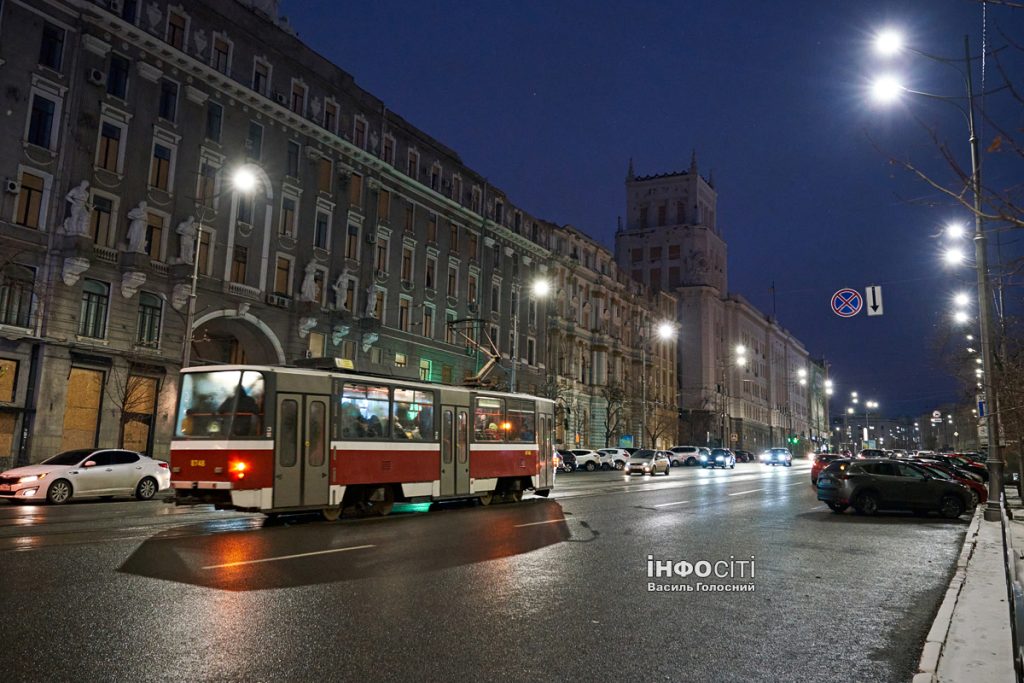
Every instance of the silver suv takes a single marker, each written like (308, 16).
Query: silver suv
(684, 455)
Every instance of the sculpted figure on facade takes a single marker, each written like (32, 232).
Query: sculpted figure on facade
(187, 246)
(340, 288)
(309, 292)
(77, 222)
(371, 301)
(137, 229)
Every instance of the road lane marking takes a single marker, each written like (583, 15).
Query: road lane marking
(740, 493)
(288, 557)
(665, 505)
(799, 483)
(549, 521)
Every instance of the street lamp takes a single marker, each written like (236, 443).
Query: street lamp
(889, 43)
(666, 331)
(539, 289)
(245, 181)
(741, 362)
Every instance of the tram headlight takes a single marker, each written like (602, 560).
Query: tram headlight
(238, 468)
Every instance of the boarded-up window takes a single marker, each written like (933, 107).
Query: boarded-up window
(8, 374)
(82, 409)
(139, 406)
(8, 420)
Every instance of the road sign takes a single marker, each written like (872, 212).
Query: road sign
(937, 413)
(873, 295)
(847, 303)
(981, 405)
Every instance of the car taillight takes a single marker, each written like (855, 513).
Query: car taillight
(237, 469)
(161, 463)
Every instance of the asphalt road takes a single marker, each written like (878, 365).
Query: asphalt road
(554, 589)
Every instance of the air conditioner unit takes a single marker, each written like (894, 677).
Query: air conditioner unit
(97, 77)
(309, 353)
(280, 98)
(12, 186)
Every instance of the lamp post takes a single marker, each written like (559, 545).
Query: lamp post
(539, 290)
(740, 362)
(665, 331)
(245, 181)
(889, 43)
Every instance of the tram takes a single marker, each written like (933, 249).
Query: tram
(289, 439)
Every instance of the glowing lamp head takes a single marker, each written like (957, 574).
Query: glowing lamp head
(961, 317)
(888, 42)
(741, 361)
(961, 299)
(741, 349)
(886, 89)
(955, 231)
(541, 287)
(665, 330)
(953, 256)
(244, 180)
(506, 426)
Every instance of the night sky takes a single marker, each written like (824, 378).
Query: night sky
(550, 99)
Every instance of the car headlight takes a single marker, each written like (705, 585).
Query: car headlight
(703, 457)
(720, 457)
(31, 477)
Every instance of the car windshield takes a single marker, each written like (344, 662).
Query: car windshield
(220, 405)
(643, 455)
(937, 473)
(68, 457)
(719, 451)
(780, 451)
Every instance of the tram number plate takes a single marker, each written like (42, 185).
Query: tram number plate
(5, 487)
(198, 463)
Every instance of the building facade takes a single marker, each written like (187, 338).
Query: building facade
(743, 380)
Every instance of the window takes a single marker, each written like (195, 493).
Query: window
(413, 165)
(330, 116)
(430, 279)
(453, 281)
(389, 150)
(117, 76)
(364, 411)
(520, 422)
(154, 234)
(108, 153)
(287, 216)
(472, 288)
(359, 134)
(404, 311)
(643, 216)
(160, 170)
(475, 200)
(129, 9)
(413, 414)
(51, 48)
(488, 418)
(680, 213)
(206, 190)
(384, 206)
(294, 149)
(457, 188)
(221, 54)
(298, 101)
(673, 251)
(101, 224)
(239, 258)
(95, 299)
(321, 229)
(637, 255)
(380, 260)
(254, 141)
(260, 77)
(168, 100)
(531, 351)
(378, 307)
(176, 24)
(283, 277)
(435, 177)
(40, 125)
(655, 253)
(472, 245)
(355, 190)
(352, 242)
(323, 175)
(428, 321)
(407, 263)
(16, 296)
(432, 228)
(401, 360)
(317, 345)
(446, 374)
(661, 214)
(499, 211)
(496, 297)
(214, 121)
(449, 328)
(30, 200)
(150, 309)
(496, 256)
(453, 238)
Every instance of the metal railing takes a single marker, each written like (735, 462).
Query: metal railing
(1014, 566)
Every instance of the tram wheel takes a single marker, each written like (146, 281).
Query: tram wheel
(380, 501)
(331, 513)
(515, 496)
(486, 499)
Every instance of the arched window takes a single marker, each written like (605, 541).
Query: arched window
(150, 312)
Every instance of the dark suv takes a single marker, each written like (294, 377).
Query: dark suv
(882, 484)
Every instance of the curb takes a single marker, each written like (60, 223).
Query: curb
(936, 638)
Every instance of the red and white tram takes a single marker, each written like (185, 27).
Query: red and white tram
(282, 439)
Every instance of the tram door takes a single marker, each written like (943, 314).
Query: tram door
(300, 458)
(454, 451)
(544, 452)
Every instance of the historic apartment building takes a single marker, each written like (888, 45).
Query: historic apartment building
(149, 143)
(742, 379)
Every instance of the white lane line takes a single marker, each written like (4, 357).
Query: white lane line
(665, 505)
(799, 483)
(288, 557)
(548, 521)
(740, 493)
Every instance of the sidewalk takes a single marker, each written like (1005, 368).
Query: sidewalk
(971, 639)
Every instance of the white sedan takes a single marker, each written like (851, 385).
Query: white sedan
(86, 473)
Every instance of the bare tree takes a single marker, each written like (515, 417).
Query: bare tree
(133, 392)
(615, 399)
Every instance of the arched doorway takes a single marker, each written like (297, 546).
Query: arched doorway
(227, 337)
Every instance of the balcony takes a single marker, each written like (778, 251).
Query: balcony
(105, 254)
(243, 291)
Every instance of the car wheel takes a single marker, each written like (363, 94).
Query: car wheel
(732, 465)
(666, 470)
(974, 499)
(146, 489)
(591, 466)
(703, 467)
(866, 503)
(691, 461)
(673, 463)
(619, 465)
(59, 492)
(788, 464)
(838, 507)
(951, 507)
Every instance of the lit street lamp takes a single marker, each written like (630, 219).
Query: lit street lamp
(666, 331)
(888, 43)
(539, 289)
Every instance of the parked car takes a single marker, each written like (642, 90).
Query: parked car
(871, 453)
(86, 473)
(684, 455)
(821, 461)
(649, 462)
(568, 461)
(979, 494)
(883, 484)
(613, 458)
(777, 456)
(719, 457)
(587, 459)
(744, 456)
(963, 462)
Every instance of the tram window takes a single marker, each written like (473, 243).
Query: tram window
(288, 433)
(446, 437)
(221, 403)
(413, 416)
(489, 419)
(316, 434)
(521, 420)
(364, 412)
